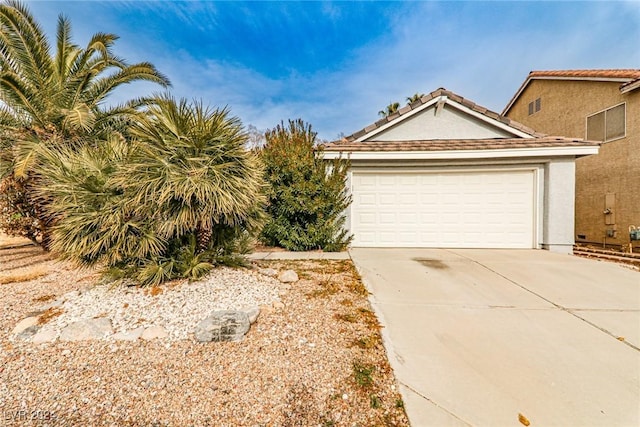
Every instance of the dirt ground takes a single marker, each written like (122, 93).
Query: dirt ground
(318, 360)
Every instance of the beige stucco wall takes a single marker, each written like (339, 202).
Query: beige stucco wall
(448, 123)
(565, 105)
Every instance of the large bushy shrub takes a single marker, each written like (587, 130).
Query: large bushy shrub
(173, 202)
(307, 195)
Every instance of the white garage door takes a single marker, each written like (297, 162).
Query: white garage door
(475, 209)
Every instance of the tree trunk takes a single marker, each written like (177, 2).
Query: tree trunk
(46, 239)
(203, 237)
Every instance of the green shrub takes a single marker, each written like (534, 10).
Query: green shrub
(307, 196)
(179, 199)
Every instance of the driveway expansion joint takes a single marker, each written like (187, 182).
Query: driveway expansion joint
(417, 393)
(565, 309)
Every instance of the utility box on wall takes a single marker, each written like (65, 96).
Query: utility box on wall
(610, 209)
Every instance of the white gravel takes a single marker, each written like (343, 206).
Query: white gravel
(177, 308)
(292, 368)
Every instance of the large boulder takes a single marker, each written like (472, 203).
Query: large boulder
(223, 325)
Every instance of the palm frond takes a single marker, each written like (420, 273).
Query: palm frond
(66, 51)
(80, 117)
(25, 40)
(101, 88)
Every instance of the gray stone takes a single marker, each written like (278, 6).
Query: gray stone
(153, 332)
(44, 336)
(27, 333)
(252, 313)
(223, 325)
(288, 276)
(131, 335)
(25, 324)
(89, 329)
(268, 272)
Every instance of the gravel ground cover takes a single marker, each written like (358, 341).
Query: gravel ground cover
(314, 359)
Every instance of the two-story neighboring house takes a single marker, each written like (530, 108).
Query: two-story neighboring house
(597, 105)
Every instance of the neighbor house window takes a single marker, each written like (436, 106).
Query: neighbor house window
(607, 125)
(534, 106)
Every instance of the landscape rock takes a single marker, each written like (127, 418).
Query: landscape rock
(268, 272)
(87, 330)
(278, 305)
(25, 324)
(44, 337)
(223, 325)
(27, 333)
(153, 332)
(288, 276)
(252, 313)
(131, 335)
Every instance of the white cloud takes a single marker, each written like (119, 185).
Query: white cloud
(424, 46)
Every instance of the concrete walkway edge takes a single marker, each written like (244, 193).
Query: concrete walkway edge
(287, 255)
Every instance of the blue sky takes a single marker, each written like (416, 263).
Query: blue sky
(336, 64)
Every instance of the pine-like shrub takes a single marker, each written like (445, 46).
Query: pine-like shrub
(307, 194)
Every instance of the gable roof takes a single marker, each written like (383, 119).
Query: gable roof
(524, 142)
(491, 117)
(627, 76)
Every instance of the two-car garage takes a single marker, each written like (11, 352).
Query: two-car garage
(444, 172)
(446, 209)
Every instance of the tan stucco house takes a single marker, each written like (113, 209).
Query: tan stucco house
(599, 105)
(445, 172)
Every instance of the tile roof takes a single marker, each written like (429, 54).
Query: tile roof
(455, 97)
(458, 144)
(629, 73)
(625, 75)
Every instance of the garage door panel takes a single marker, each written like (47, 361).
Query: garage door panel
(387, 218)
(366, 199)
(460, 209)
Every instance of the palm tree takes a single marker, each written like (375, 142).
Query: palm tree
(173, 202)
(391, 108)
(192, 162)
(56, 98)
(415, 97)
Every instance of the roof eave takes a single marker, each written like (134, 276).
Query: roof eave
(630, 87)
(568, 151)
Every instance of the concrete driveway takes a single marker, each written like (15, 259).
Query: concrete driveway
(477, 337)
